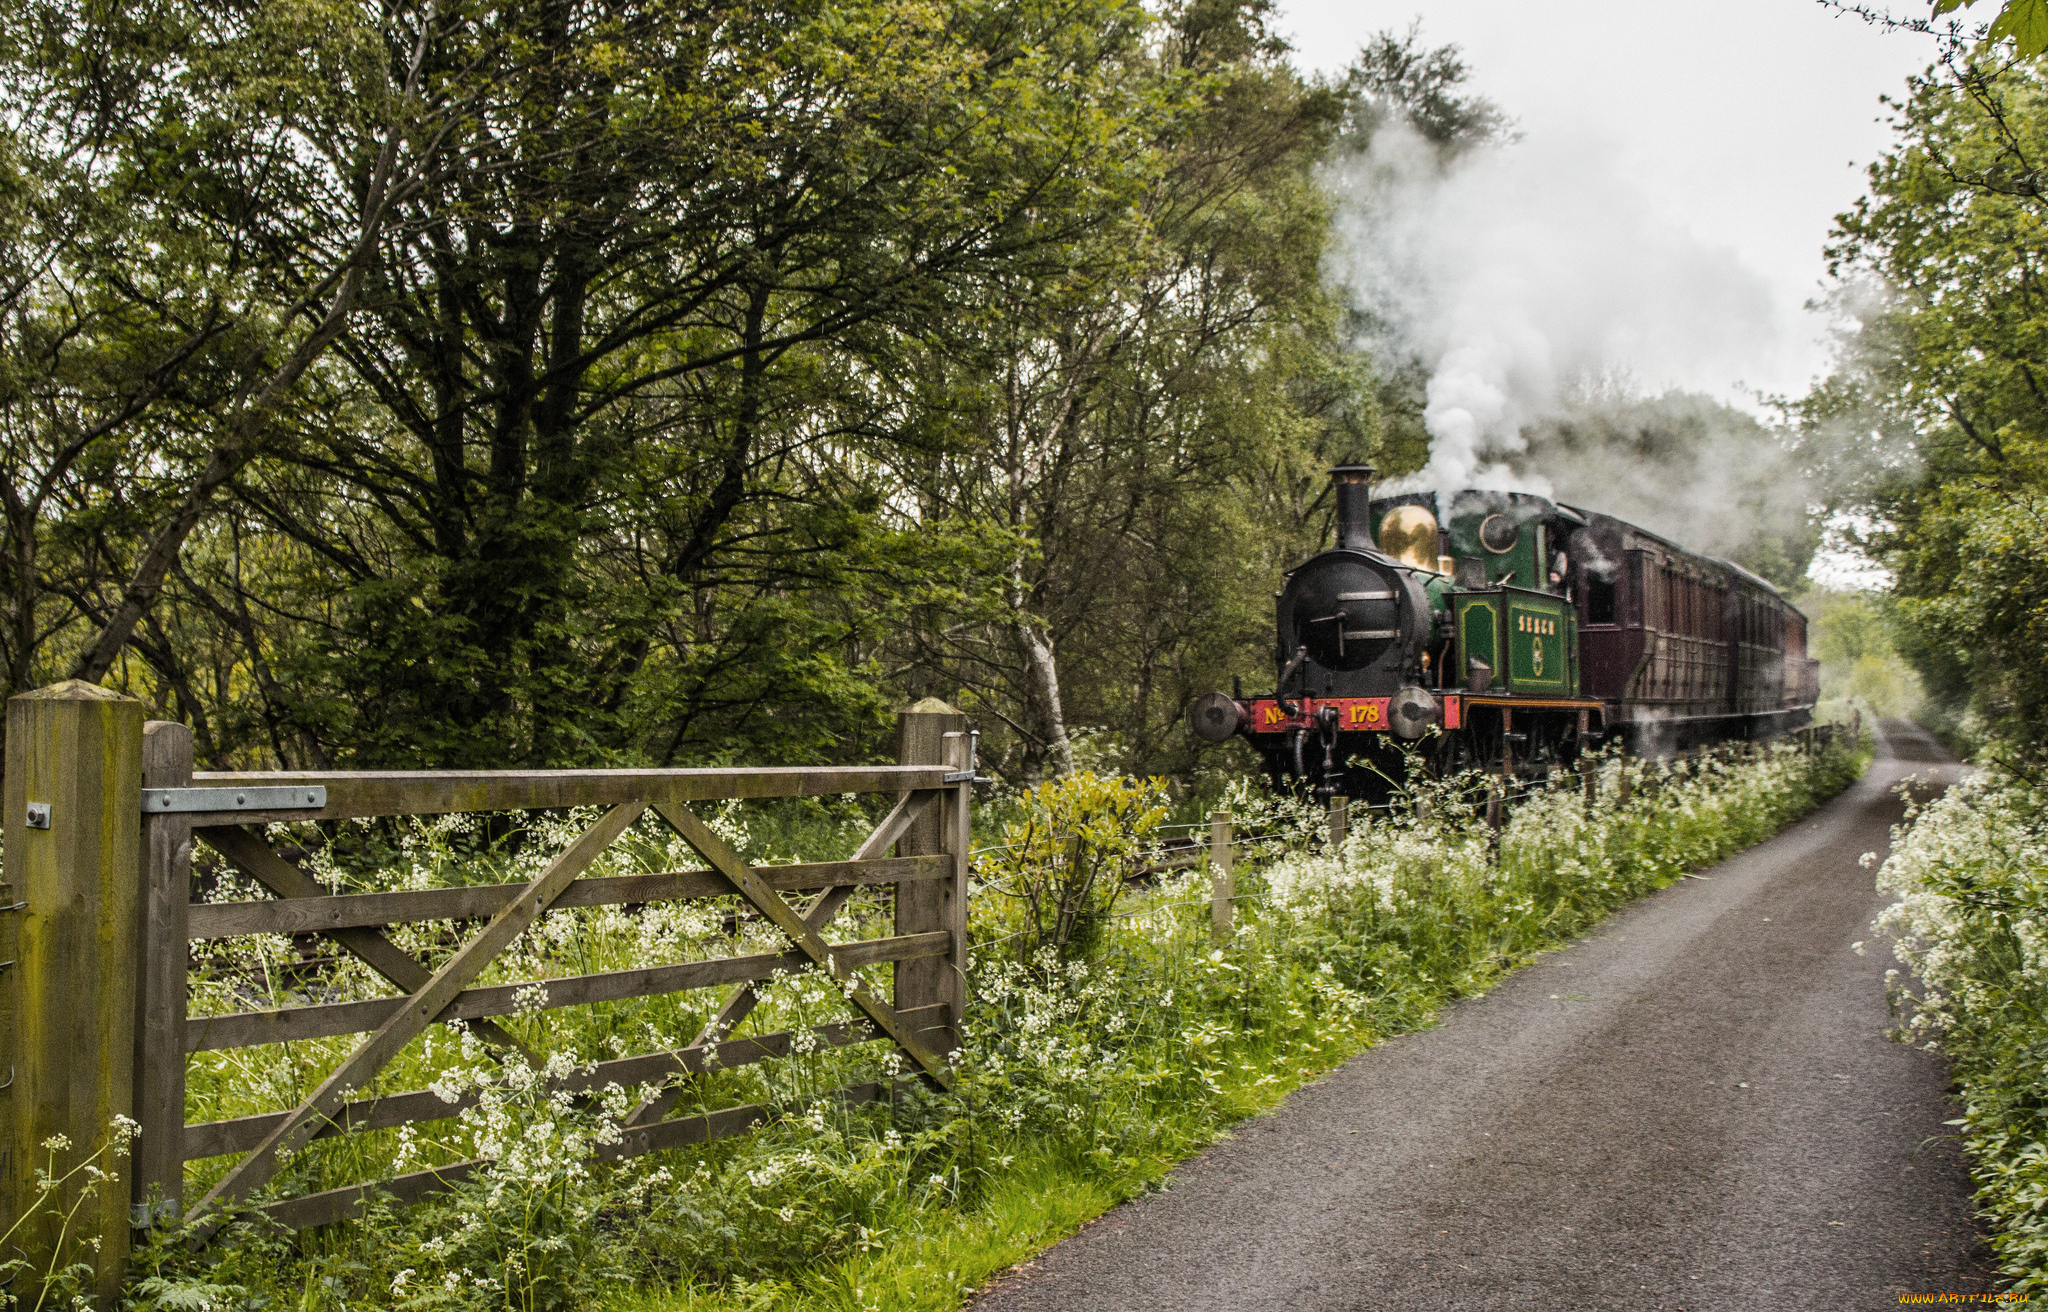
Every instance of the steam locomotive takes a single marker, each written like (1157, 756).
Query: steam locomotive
(1523, 629)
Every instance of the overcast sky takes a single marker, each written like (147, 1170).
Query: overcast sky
(1746, 122)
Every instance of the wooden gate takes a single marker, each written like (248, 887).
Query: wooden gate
(927, 827)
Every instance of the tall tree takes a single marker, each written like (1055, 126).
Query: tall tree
(150, 338)
(614, 388)
(704, 378)
(1941, 411)
(1134, 430)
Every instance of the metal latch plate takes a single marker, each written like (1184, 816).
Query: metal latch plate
(171, 801)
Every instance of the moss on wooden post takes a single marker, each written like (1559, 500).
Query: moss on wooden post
(74, 750)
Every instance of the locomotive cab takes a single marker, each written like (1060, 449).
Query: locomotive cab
(1509, 624)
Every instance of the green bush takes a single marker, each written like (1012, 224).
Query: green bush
(1066, 856)
(1971, 929)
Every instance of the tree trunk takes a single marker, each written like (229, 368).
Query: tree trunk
(1045, 667)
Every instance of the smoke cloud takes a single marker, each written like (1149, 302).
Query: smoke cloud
(1541, 293)
(1685, 466)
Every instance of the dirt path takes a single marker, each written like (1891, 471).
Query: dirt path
(1695, 1107)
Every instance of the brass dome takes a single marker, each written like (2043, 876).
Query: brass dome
(1408, 534)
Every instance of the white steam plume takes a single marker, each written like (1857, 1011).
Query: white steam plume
(1520, 270)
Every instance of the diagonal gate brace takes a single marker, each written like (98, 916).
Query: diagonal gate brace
(819, 914)
(420, 1011)
(764, 899)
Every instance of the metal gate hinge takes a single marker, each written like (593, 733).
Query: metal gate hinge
(269, 797)
(972, 774)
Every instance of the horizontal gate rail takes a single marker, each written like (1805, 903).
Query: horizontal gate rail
(352, 795)
(416, 1107)
(210, 920)
(246, 1029)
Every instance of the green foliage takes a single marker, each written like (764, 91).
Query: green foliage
(1971, 928)
(1152, 428)
(712, 379)
(1398, 79)
(1935, 434)
(1067, 856)
(2022, 22)
(1852, 634)
(49, 1263)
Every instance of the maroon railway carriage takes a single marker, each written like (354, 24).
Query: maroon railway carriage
(1684, 649)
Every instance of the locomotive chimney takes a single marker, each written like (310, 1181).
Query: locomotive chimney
(1353, 484)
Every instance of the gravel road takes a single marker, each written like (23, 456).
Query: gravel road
(1694, 1107)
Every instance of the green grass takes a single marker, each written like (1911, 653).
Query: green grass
(1039, 1201)
(948, 1255)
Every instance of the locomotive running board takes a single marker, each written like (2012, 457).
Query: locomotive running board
(1531, 703)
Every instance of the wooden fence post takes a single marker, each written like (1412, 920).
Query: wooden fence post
(1493, 805)
(1589, 779)
(159, 1172)
(1624, 786)
(935, 904)
(73, 817)
(1222, 878)
(1340, 824)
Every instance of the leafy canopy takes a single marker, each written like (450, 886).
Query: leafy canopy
(2023, 22)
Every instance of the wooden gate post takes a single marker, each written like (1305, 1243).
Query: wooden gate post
(1222, 878)
(1340, 824)
(159, 1172)
(935, 904)
(73, 817)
